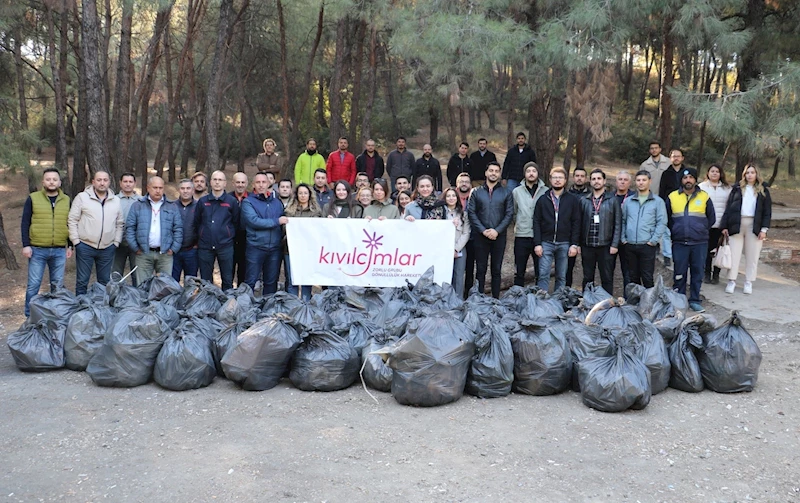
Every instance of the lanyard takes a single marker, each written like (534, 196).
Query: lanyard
(597, 205)
(156, 211)
(556, 203)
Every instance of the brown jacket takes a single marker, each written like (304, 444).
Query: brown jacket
(271, 163)
(97, 224)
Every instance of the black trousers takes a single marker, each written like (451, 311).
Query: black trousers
(469, 275)
(570, 267)
(240, 257)
(598, 257)
(523, 248)
(484, 249)
(623, 264)
(641, 263)
(713, 242)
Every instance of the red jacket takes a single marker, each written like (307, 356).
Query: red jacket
(338, 170)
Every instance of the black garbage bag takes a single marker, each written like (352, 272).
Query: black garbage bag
(593, 294)
(542, 358)
(540, 305)
(203, 300)
(376, 374)
(633, 293)
(358, 333)
(669, 326)
(96, 293)
(280, 303)
(650, 348)
(659, 302)
(347, 315)
(587, 341)
(310, 318)
(160, 285)
(484, 305)
(121, 295)
(685, 374)
(242, 290)
(184, 362)
(56, 306)
(730, 358)
(233, 309)
(369, 299)
(167, 313)
(613, 313)
(704, 323)
(172, 300)
(491, 372)
(130, 349)
(569, 297)
(615, 383)
(329, 300)
(513, 299)
(325, 361)
(261, 354)
(226, 339)
(425, 284)
(85, 333)
(472, 320)
(431, 361)
(201, 326)
(37, 347)
(393, 318)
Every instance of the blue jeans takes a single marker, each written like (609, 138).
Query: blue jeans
(87, 257)
(121, 256)
(689, 259)
(459, 266)
(266, 263)
(558, 252)
(293, 289)
(666, 244)
(55, 259)
(512, 184)
(185, 261)
(224, 258)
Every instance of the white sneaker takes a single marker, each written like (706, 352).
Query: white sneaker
(731, 286)
(748, 287)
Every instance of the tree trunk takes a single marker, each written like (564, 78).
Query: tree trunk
(570, 145)
(372, 85)
(339, 81)
(434, 116)
(122, 98)
(191, 115)
(511, 114)
(172, 109)
(60, 89)
(96, 120)
(774, 170)
(215, 84)
(389, 88)
(321, 120)
(546, 121)
(355, 102)
(462, 123)
(5, 249)
(667, 81)
(790, 168)
(23, 105)
(105, 42)
(701, 148)
(643, 92)
(580, 139)
(78, 182)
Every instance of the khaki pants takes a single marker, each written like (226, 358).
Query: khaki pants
(749, 243)
(150, 262)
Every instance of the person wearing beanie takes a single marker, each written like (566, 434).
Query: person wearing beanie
(690, 214)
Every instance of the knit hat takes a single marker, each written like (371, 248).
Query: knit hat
(689, 172)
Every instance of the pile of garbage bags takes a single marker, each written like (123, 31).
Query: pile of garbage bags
(421, 342)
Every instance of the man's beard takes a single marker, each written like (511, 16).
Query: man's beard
(311, 152)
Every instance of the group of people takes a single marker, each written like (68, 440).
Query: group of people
(244, 231)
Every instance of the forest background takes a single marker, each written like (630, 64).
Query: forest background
(184, 85)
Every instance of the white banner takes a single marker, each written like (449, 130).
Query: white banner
(357, 252)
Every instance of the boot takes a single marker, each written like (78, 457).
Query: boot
(715, 276)
(707, 277)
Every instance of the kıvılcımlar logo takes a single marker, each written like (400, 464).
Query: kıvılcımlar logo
(363, 260)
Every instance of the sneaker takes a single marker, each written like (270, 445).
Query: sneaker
(667, 262)
(696, 307)
(731, 286)
(748, 287)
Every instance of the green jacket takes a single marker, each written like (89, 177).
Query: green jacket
(49, 224)
(524, 206)
(379, 209)
(305, 166)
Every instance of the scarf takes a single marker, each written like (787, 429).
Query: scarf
(432, 208)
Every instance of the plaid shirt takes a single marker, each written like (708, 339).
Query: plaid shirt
(593, 239)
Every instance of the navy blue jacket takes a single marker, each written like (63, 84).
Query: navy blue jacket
(216, 221)
(137, 227)
(260, 216)
(187, 216)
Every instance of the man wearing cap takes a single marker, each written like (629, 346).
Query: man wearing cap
(690, 213)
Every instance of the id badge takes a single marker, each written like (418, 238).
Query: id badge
(597, 219)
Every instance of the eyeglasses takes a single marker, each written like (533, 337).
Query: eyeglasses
(381, 180)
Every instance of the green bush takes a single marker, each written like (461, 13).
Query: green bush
(629, 141)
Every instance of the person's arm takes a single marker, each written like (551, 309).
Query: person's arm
(299, 172)
(577, 224)
(379, 167)
(250, 217)
(504, 174)
(623, 223)
(615, 239)
(463, 235)
(533, 154)
(329, 166)
(438, 175)
(130, 228)
(177, 231)
(537, 222)
(236, 215)
(415, 173)
(120, 227)
(390, 164)
(509, 214)
(351, 169)
(25, 225)
(711, 214)
(73, 218)
(472, 212)
(668, 207)
(766, 215)
(661, 222)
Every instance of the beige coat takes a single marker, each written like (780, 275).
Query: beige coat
(94, 223)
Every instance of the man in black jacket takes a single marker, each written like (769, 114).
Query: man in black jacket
(370, 161)
(580, 188)
(556, 229)
(516, 159)
(458, 164)
(601, 228)
(478, 161)
(490, 210)
(428, 165)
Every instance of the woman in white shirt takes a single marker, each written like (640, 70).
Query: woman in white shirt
(746, 220)
(718, 190)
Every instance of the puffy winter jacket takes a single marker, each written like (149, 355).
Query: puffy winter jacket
(260, 215)
(719, 197)
(689, 216)
(306, 165)
(564, 229)
(490, 210)
(610, 219)
(137, 227)
(643, 223)
(216, 220)
(732, 219)
(94, 222)
(524, 206)
(341, 170)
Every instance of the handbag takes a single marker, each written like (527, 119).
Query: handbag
(722, 255)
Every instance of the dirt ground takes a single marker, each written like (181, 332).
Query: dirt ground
(65, 439)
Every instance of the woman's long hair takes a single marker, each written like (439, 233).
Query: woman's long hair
(459, 209)
(384, 186)
(759, 185)
(722, 178)
(416, 195)
(401, 208)
(294, 205)
(349, 199)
